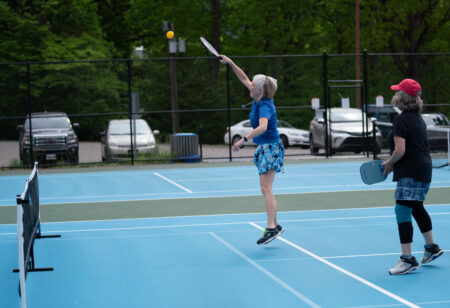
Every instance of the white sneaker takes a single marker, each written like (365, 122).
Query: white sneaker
(404, 266)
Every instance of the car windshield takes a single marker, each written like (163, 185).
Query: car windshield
(435, 119)
(48, 123)
(346, 116)
(284, 124)
(123, 128)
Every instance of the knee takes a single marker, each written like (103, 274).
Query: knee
(266, 189)
(402, 213)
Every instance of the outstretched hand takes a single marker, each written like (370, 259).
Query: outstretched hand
(224, 59)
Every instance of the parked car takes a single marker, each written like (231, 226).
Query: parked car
(53, 137)
(116, 140)
(346, 131)
(289, 135)
(386, 113)
(437, 140)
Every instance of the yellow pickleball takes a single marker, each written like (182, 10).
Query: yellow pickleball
(170, 34)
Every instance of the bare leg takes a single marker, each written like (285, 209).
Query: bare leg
(266, 180)
(406, 249)
(428, 236)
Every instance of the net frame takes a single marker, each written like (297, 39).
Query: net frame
(28, 230)
(28, 222)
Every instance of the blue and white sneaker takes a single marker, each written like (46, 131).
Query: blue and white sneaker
(404, 266)
(431, 253)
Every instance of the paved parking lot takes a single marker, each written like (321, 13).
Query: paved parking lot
(90, 152)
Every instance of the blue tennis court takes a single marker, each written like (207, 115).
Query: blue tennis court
(325, 258)
(195, 183)
(336, 258)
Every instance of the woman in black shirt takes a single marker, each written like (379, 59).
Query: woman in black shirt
(411, 163)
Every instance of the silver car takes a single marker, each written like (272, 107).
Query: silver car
(437, 124)
(345, 132)
(289, 135)
(116, 141)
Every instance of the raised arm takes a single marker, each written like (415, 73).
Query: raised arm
(239, 73)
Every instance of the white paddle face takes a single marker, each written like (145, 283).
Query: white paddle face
(209, 46)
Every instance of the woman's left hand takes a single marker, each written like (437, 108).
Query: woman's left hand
(238, 145)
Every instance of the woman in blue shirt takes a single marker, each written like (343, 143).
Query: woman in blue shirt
(269, 153)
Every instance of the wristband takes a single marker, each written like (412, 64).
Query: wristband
(245, 139)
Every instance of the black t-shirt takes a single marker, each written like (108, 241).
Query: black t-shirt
(416, 162)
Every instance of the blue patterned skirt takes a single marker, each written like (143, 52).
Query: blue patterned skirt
(269, 156)
(410, 189)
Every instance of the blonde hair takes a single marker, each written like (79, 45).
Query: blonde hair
(404, 101)
(266, 86)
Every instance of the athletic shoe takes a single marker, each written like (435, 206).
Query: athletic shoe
(280, 229)
(404, 266)
(431, 253)
(268, 236)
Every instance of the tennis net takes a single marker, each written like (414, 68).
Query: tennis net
(438, 141)
(28, 229)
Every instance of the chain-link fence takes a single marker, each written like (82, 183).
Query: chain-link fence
(199, 96)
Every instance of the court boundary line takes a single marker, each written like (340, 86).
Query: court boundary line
(346, 257)
(344, 271)
(266, 272)
(219, 224)
(399, 305)
(172, 182)
(182, 196)
(213, 215)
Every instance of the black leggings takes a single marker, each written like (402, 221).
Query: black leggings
(421, 216)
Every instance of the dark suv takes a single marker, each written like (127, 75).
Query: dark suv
(53, 137)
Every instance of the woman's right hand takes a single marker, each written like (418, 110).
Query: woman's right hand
(225, 60)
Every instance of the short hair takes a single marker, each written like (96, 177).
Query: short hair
(404, 101)
(268, 85)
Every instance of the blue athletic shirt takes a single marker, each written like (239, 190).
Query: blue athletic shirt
(265, 108)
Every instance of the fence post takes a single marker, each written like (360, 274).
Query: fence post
(229, 112)
(325, 100)
(200, 131)
(374, 139)
(30, 110)
(365, 103)
(130, 112)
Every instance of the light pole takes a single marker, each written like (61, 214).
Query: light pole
(175, 47)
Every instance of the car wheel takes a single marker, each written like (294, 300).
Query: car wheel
(235, 139)
(285, 141)
(312, 147)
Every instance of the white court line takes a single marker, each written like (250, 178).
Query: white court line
(266, 272)
(256, 192)
(374, 255)
(211, 224)
(343, 257)
(230, 214)
(172, 182)
(399, 305)
(362, 280)
(208, 179)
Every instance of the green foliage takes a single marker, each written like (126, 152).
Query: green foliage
(64, 30)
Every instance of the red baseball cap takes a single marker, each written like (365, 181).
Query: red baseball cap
(409, 86)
